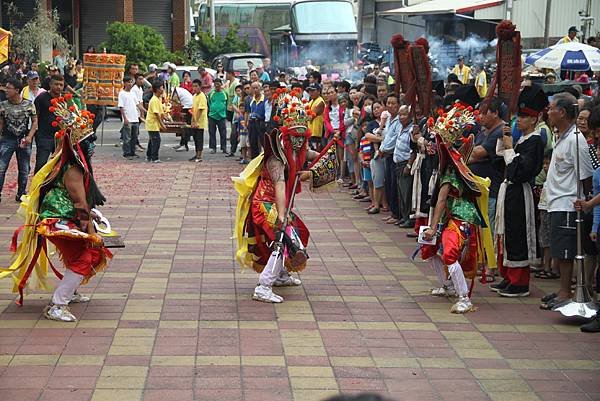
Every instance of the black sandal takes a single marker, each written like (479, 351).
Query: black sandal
(549, 297)
(547, 275)
(551, 303)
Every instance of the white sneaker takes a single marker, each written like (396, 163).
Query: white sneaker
(60, 313)
(289, 281)
(443, 292)
(263, 293)
(79, 299)
(463, 305)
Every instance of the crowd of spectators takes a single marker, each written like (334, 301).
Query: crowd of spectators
(383, 144)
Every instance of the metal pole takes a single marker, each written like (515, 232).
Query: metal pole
(547, 23)
(213, 23)
(103, 116)
(359, 20)
(509, 9)
(581, 304)
(586, 22)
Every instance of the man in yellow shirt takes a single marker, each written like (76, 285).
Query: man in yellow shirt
(462, 71)
(571, 36)
(481, 81)
(199, 119)
(154, 122)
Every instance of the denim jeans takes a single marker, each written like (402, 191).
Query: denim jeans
(129, 135)
(212, 133)
(44, 147)
(8, 146)
(153, 145)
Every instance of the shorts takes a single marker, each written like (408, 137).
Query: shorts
(589, 247)
(563, 235)
(229, 115)
(366, 173)
(378, 172)
(544, 230)
(244, 143)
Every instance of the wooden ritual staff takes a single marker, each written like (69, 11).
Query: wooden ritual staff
(422, 72)
(404, 73)
(507, 79)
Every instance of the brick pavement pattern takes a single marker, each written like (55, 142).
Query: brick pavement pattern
(172, 319)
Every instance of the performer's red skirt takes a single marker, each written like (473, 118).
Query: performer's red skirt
(81, 252)
(452, 241)
(261, 232)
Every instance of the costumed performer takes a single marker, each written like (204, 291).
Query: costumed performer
(457, 219)
(515, 213)
(271, 238)
(60, 208)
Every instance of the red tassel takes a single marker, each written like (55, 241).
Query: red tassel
(13, 243)
(45, 248)
(38, 248)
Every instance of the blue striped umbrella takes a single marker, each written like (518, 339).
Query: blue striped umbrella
(572, 56)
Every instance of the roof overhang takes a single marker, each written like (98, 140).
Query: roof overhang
(443, 7)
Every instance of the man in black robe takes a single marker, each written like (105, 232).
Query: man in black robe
(515, 211)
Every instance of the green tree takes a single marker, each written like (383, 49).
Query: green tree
(141, 44)
(42, 28)
(205, 47)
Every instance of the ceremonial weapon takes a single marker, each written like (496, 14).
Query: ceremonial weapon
(278, 244)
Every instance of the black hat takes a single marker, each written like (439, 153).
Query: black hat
(532, 100)
(573, 29)
(466, 94)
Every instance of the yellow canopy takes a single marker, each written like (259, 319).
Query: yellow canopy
(4, 43)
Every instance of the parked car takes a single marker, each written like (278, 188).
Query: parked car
(193, 71)
(238, 62)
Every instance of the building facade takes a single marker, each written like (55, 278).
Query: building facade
(380, 19)
(83, 22)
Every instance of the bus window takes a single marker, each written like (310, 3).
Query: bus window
(226, 15)
(202, 16)
(272, 16)
(324, 17)
(246, 15)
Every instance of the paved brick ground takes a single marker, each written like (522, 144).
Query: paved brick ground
(172, 319)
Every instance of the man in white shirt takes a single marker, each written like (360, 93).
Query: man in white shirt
(138, 91)
(562, 186)
(186, 99)
(130, 115)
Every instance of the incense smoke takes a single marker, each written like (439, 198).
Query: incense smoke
(475, 50)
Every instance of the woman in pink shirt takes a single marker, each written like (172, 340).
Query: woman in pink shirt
(333, 117)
